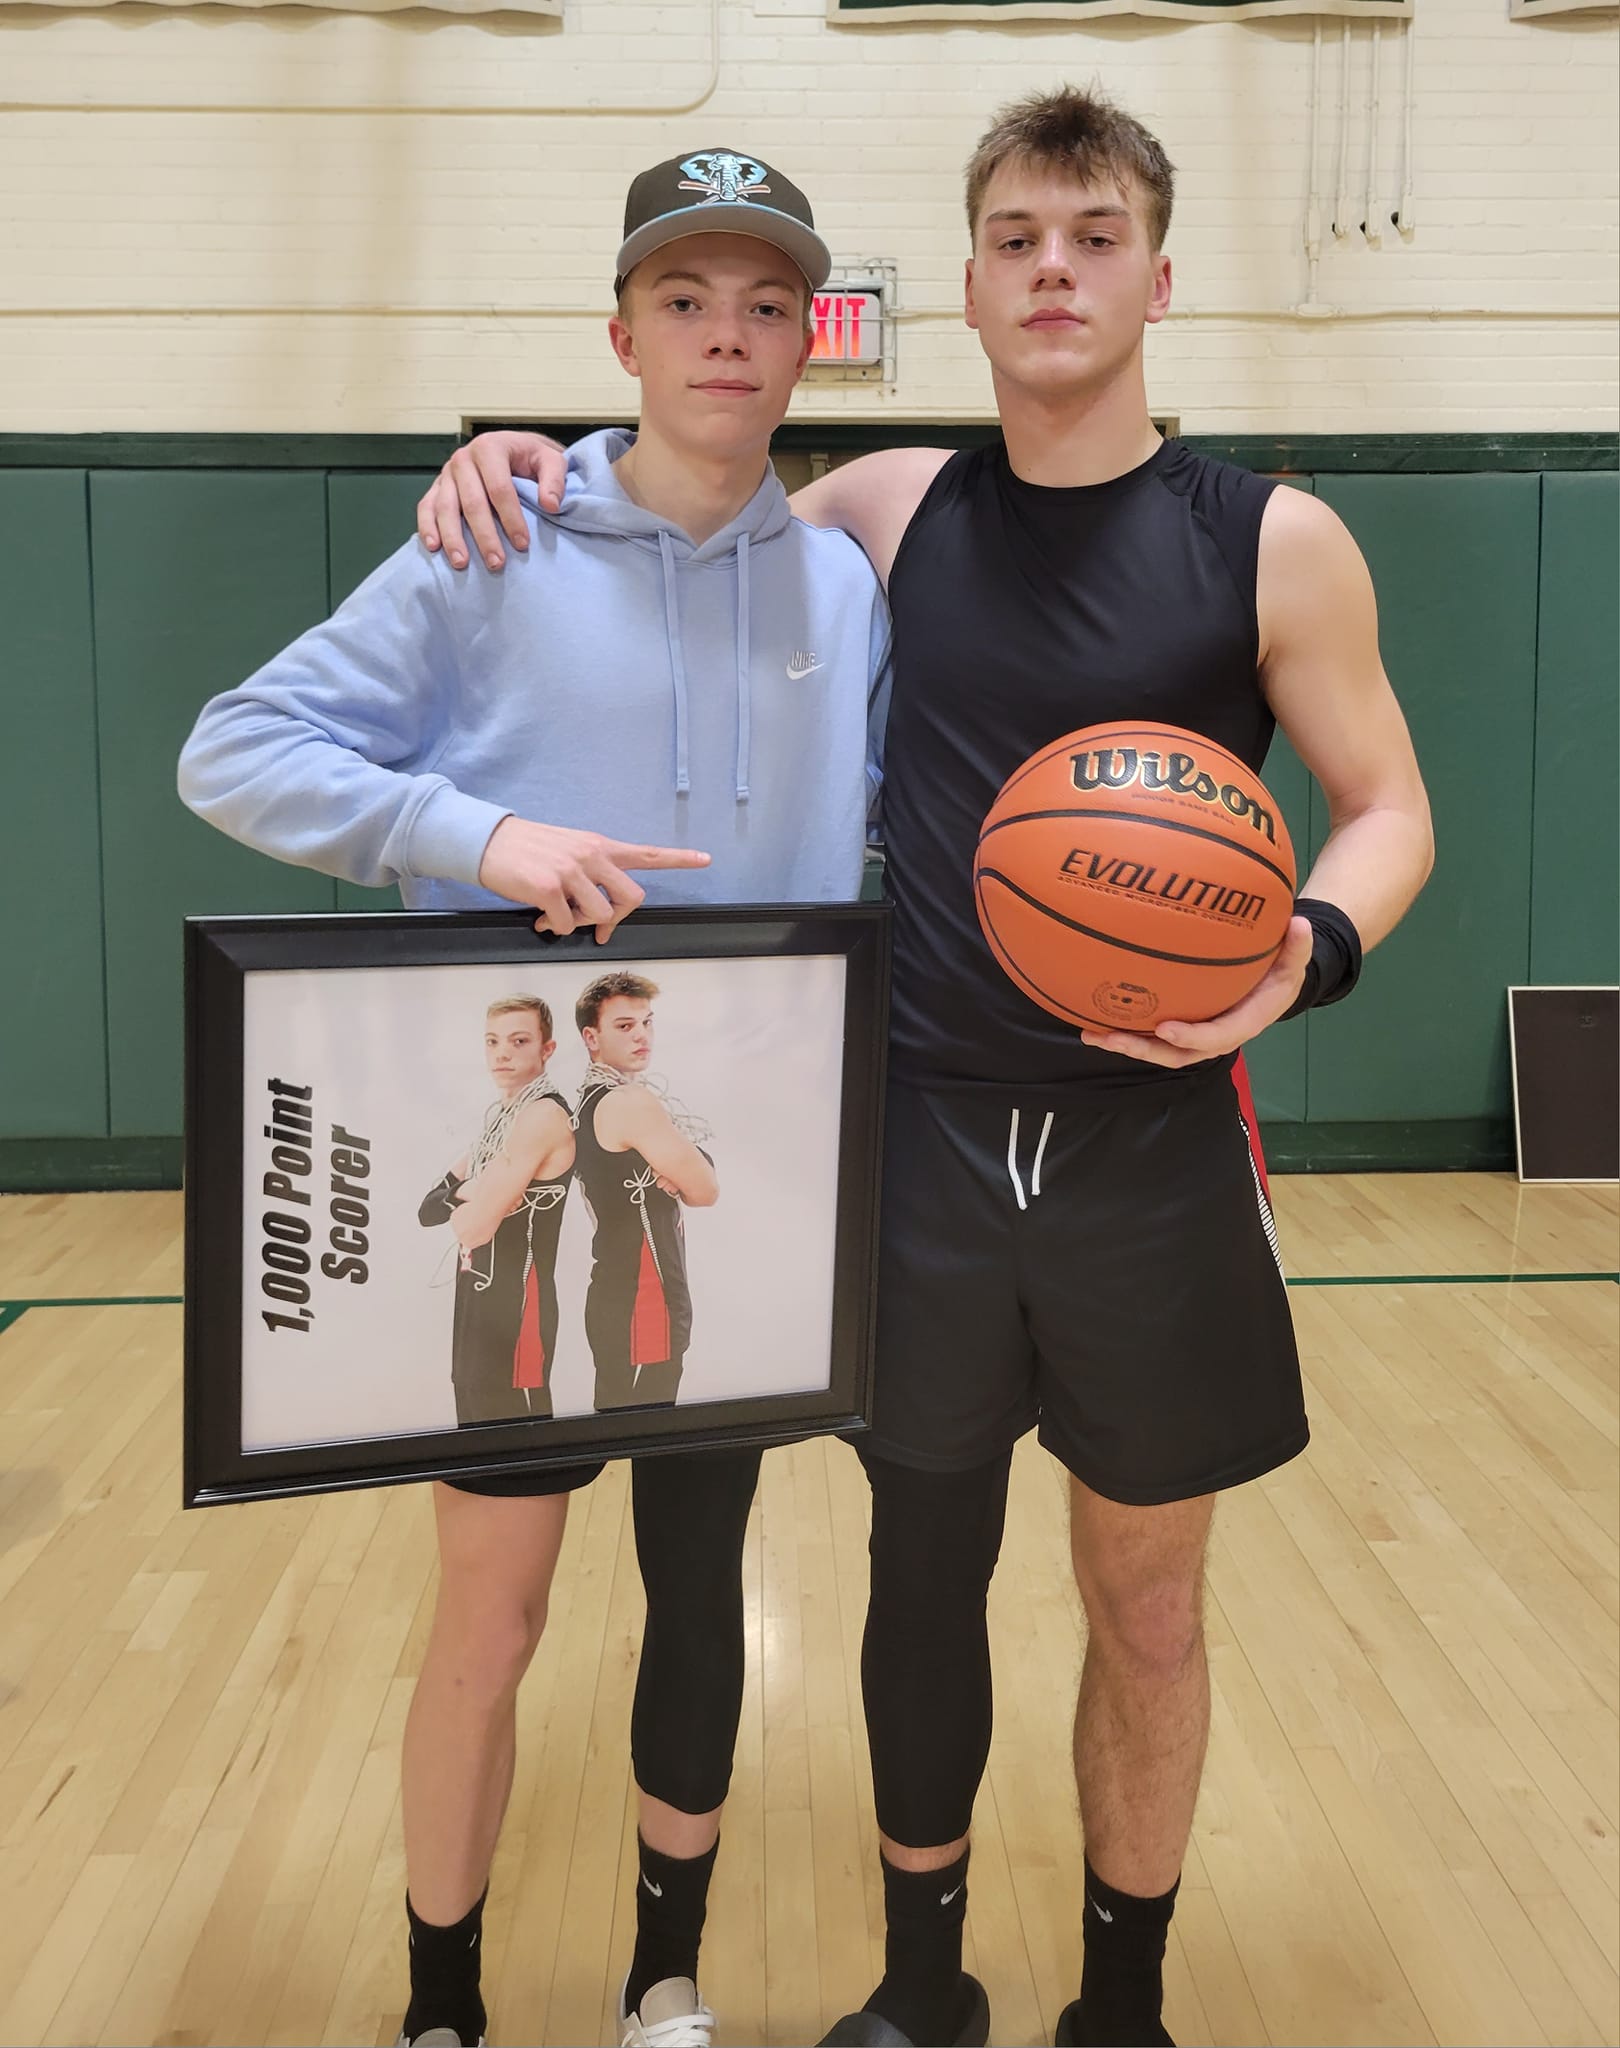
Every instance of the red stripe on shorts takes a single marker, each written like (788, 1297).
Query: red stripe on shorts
(529, 1354)
(1245, 1096)
(649, 1319)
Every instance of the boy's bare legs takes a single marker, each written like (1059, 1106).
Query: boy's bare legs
(497, 1555)
(1140, 1729)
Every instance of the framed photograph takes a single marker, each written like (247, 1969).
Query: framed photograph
(465, 1200)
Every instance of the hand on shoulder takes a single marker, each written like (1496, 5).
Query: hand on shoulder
(475, 487)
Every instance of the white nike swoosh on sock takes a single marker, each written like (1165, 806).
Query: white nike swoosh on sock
(657, 1890)
(945, 1898)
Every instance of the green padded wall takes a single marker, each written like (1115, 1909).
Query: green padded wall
(1498, 601)
(53, 1039)
(1454, 562)
(200, 576)
(368, 516)
(1575, 879)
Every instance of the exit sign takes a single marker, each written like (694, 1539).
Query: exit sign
(847, 327)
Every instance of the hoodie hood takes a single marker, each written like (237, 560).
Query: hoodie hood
(594, 501)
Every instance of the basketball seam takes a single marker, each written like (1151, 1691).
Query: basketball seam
(1157, 824)
(1024, 981)
(1109, 939)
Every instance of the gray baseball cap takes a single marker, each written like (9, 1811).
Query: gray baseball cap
(719, 191)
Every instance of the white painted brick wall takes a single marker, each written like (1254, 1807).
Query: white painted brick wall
(218, 269)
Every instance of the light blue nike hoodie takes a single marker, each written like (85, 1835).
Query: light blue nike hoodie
(615, 678)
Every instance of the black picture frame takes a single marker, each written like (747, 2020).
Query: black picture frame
(221, 953)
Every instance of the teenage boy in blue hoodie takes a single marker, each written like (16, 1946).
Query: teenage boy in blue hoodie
(633, 696)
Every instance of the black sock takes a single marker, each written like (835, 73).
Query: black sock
(923, 1992)
(445, 1964)
(1122, 1984)
(672, 1901)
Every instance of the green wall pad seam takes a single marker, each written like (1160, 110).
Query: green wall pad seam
(68, 1166)
(1341, 454)
(57, 1166)
(1460, 1145)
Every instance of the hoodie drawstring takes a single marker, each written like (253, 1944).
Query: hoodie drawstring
(677, 667)
(677, 663)
(744, 701)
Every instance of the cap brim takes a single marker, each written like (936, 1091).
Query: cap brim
(759, 223)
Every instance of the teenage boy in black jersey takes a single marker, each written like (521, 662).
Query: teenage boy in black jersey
(1084, 570)
(503, 1200)
(636, 1167)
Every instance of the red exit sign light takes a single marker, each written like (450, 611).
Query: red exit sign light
(848, 327)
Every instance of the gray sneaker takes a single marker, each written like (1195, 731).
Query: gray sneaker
(438, 2037)
(671, 2015)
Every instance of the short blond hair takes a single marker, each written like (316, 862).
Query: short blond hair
(504, 1005)
(1084, 136)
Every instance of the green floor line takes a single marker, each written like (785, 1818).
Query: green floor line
(97, 1301)
(11, 1311)
(1444, 1279)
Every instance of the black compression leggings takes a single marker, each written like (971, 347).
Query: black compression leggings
(925, 1659)
(691, 1514)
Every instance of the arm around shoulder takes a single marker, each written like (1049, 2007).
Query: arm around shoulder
(872, 499)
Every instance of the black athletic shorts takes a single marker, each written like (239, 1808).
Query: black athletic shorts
(1104, 1267)
(526, 1485)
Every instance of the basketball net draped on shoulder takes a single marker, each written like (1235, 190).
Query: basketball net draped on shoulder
(493, 1141)
(689, 1126)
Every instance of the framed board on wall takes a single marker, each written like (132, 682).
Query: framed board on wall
(1566, 1082)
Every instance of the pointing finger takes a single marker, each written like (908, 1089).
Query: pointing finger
(654, 856)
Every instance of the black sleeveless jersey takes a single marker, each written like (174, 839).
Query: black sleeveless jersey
(504, 1339)
(638, 1308)
(1022, 613)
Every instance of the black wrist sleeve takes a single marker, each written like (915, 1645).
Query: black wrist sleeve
(1335, 957)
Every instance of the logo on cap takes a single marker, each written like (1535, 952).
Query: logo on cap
(724, 179)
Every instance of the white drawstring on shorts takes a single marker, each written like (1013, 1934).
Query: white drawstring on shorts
(1012, 1160)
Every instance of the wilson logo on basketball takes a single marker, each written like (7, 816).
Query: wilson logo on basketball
(1119, 767)
(1214, 899)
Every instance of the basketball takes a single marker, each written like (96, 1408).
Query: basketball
(1127, 874)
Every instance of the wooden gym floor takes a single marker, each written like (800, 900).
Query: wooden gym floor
(1408, 1825)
